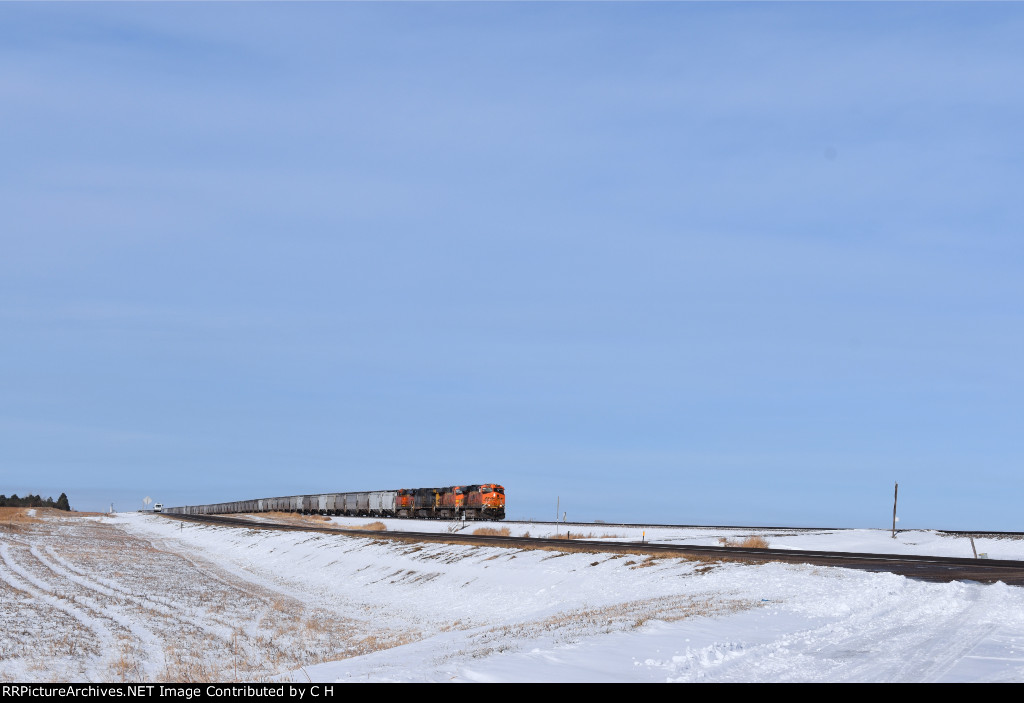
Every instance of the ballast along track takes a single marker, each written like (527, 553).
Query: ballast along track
(925, 568)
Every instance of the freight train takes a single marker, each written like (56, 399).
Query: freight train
(485, 501)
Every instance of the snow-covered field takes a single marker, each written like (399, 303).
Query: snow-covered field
(144, 597)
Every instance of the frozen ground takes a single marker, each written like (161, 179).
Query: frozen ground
(133, 596)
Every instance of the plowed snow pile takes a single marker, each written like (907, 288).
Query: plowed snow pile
(146, 598)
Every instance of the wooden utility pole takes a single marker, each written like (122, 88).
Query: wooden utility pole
(895, 495)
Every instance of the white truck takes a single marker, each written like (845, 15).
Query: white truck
(158, 507)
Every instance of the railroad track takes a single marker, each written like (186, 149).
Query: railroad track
(926, 568)
(759, 528)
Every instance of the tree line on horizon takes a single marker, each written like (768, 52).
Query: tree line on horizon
(31, 501)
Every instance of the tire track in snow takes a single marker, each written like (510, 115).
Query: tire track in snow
(926, 640)
(265, 628)
(247, 584)
(923, 639)
(950, 649)
(17, 578)
(281, 608)
(951, 639)
(114, 590)
(151, 644)
(271, 589)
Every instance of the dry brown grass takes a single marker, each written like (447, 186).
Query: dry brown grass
(17, 520)
(578, 535)
(751, 542)
(372, 526)
(13, 515)
(492, 531)
(188, 667)
(649, 561)
(124, 664)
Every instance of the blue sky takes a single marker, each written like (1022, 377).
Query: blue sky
(738, 263)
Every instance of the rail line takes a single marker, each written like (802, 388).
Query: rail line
(763, 528)
(925, 568)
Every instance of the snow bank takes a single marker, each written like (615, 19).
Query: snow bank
(493, 614)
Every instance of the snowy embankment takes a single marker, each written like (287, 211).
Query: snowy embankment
(491, 614)
(140, 597)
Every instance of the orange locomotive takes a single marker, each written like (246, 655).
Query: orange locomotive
(479, 502)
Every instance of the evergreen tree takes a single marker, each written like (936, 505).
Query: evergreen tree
(62, 502)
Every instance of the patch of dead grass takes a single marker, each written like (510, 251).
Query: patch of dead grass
(186, 667)
(492, 531)
(372, 527)
(124, 663)
(751, 542)
(12, 516)
(19, 515)
(649, 561)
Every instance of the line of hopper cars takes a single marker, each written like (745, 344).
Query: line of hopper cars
(484, 501)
